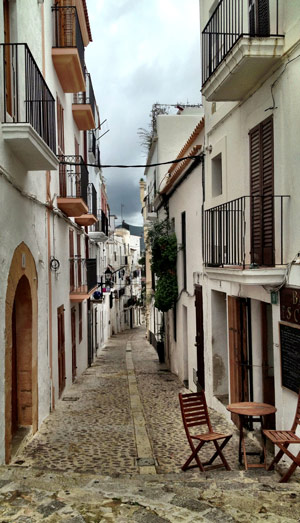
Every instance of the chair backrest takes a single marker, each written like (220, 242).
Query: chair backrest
(297, 415)
(194, 410)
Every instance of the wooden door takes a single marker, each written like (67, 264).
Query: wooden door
(267, 361)
(14, 377)
(199, 337)
(73, 337)
(61, 349)
(79, 261)
(238, 351)
(261, 193)
(96, 330)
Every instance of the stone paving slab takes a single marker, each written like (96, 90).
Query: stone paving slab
(31, 495)
(84, 464)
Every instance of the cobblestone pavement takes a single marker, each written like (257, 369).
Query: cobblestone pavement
(113, 448)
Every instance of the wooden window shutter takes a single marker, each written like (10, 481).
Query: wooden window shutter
(263, 18)
(268, 191)
(261, 191)
(259, 18)
(79, 262)
(255, 191)
(71, 251)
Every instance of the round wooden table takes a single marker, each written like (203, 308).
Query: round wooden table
(256, 411)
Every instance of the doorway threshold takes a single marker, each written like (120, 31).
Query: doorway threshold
(19, 440)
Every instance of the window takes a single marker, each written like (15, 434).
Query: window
(216, 175)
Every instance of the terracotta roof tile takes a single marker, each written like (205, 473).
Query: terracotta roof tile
(180, 168)
(188, 144)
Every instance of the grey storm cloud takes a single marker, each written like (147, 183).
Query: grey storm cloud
(143, 52)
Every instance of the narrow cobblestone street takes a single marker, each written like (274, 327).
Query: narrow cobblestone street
(113, 448)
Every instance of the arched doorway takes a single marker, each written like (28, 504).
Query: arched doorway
(21, 376)
(21, 386)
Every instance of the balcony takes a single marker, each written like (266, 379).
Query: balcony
(83, 107)
(68, 49)
(27, 109)
(151, 214)
(240, 245)
(100, 229)
(83, 278)
(240, 45)
(73, 186)
(90, 218)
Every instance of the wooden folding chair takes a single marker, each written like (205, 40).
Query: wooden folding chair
(284, 438)
(195, 413)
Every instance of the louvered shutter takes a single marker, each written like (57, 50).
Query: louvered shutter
(261, 191)
(267, 191)
(259, 18)
(263, 18)
(255, 193)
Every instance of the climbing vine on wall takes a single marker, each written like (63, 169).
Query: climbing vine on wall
(163, 244)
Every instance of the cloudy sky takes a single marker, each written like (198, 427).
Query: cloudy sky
(143, 52)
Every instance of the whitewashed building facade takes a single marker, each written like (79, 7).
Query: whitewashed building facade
(50, 201)
(251, 276)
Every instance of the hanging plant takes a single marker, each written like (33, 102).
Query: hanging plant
(163, 245)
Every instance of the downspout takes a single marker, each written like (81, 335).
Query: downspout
(48, 211)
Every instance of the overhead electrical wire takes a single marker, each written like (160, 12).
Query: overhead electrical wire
(100, 166)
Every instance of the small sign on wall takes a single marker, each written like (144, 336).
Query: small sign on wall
(290, 304)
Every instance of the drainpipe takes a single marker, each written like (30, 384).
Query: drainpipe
(48, 211)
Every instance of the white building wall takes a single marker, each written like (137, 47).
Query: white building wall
(227, 127)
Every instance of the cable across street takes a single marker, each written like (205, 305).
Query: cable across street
(100, 166)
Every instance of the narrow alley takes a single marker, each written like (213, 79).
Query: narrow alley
(113, 448)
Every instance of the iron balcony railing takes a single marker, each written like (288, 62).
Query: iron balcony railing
(102, 224)
(92, 199)
(73, 177)
(228, 237)
(83, 274)
(67, 32)
(87, 97)
(26, 97)
(232, 20)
